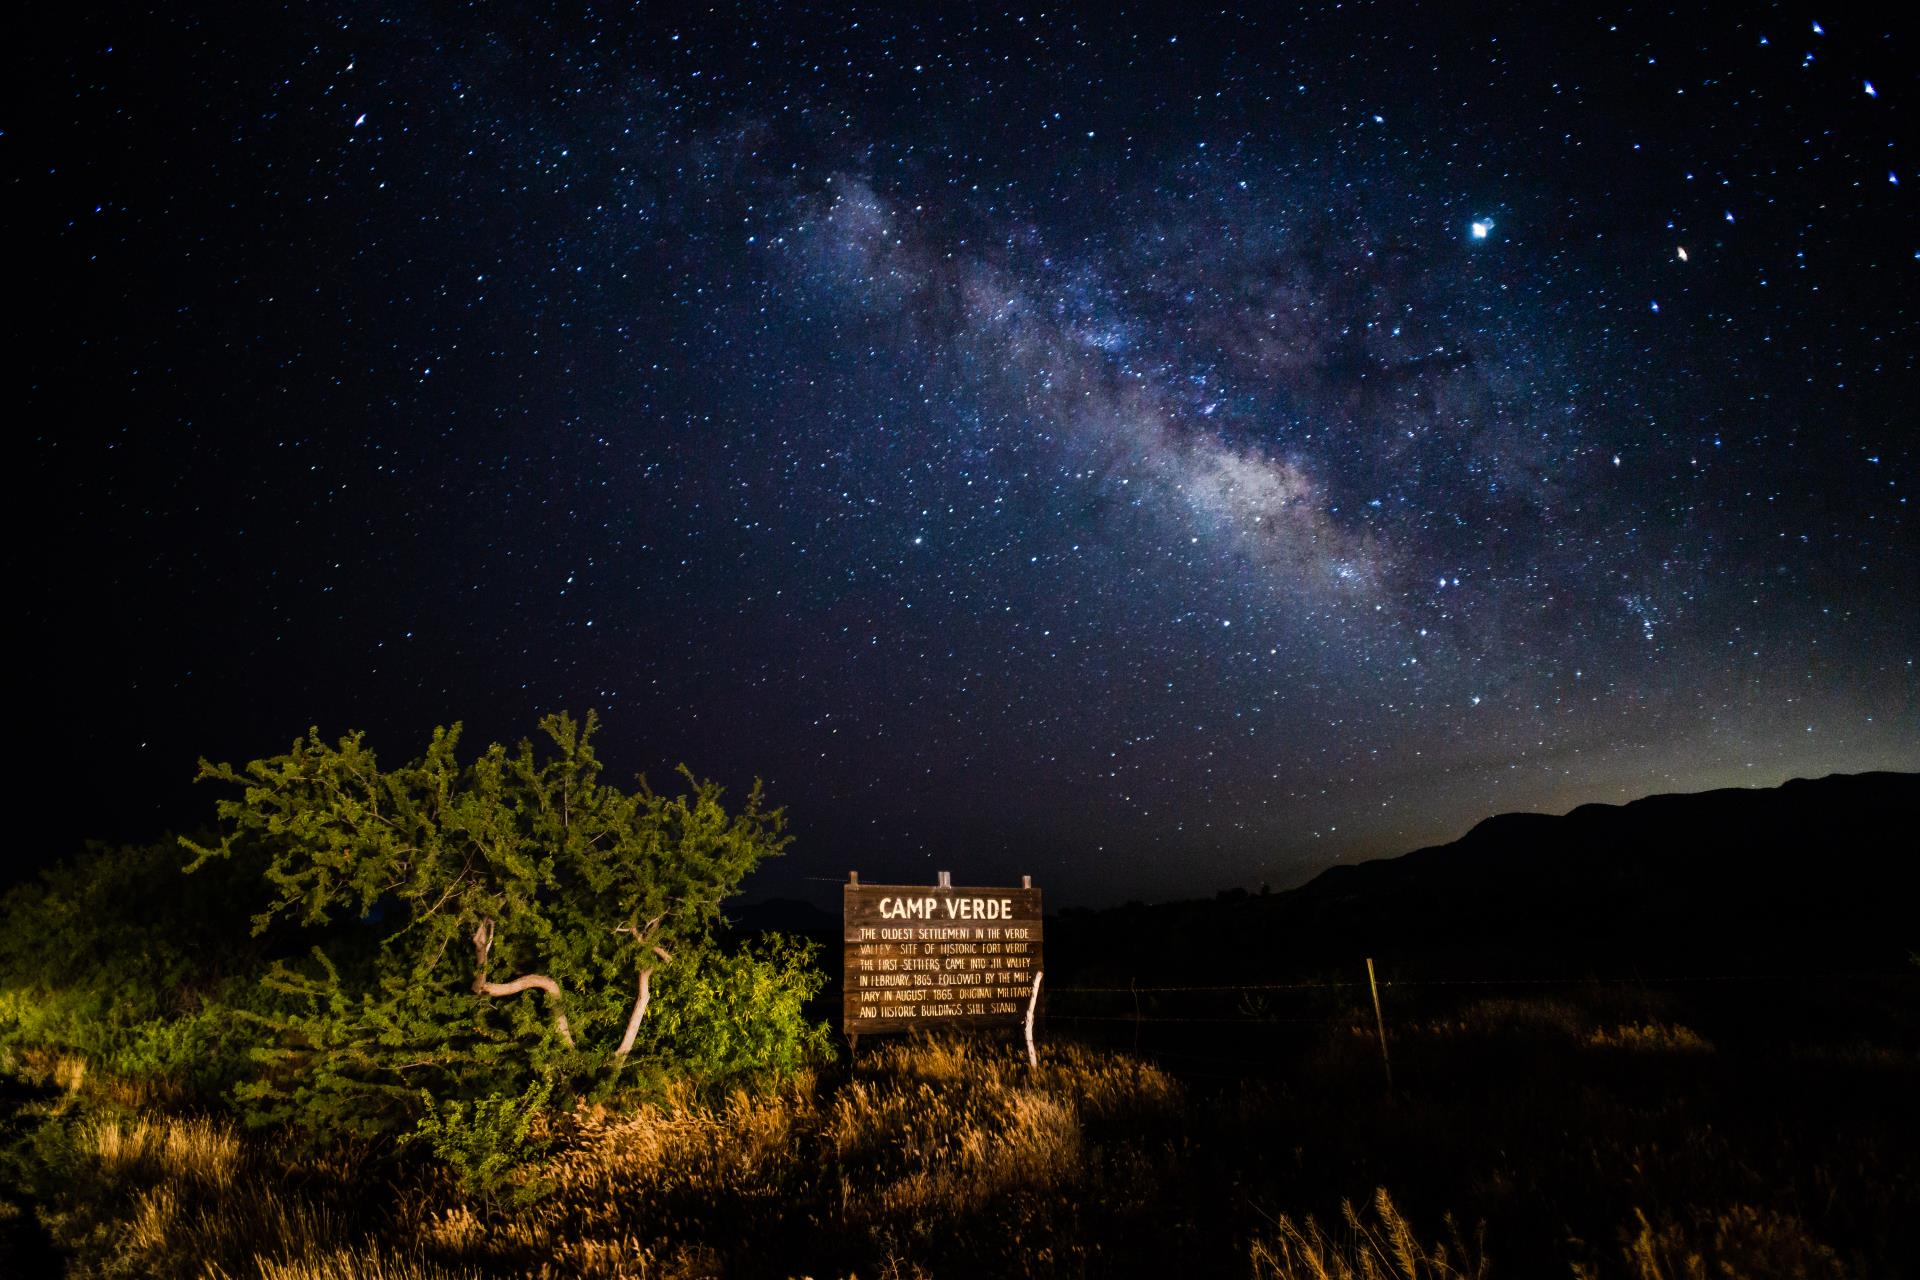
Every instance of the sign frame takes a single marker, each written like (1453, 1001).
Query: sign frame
(939, 957)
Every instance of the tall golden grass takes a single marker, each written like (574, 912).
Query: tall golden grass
(1738, 1241)
(920, 1139)
(952, 1158)
(170, 1149)
(1379, 1245)
(924, 1138)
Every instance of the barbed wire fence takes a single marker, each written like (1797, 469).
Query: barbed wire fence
(1202, 1023)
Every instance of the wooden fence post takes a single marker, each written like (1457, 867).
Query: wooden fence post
(1380, 1024)
(853, 1041)
(1033, 1059)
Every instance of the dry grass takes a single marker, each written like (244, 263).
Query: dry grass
(1506, 1016)
(1650, 1037)
(951, 1158)
(74, 1082)
(1380, 1245)
(926, 1138)
(348, 1264)
(69, 1073)
(172, 1150)
(925, 1149)
(1740, 1241)
(159, 1195)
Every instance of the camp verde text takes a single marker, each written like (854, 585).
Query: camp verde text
(929, 908)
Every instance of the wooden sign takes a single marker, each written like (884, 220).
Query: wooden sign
(920, 956)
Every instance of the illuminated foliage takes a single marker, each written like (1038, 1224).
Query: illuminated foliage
(490, 928)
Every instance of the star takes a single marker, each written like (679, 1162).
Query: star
(730, 320)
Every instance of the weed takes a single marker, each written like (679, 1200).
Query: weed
(1380, 1245)
(944, 1157)
(1650, 1037)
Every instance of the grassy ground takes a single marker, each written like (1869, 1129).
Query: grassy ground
(1604, 1136)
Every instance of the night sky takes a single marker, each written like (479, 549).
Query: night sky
(1154, 450)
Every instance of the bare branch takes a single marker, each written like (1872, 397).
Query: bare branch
(525, 982)
(482, 945)
(640, 1004)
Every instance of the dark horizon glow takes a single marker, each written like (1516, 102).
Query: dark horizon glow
(1150, 452)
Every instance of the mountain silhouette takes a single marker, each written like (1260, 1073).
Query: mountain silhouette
(1813, 875)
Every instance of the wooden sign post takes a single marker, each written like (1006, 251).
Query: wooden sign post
(936, 956)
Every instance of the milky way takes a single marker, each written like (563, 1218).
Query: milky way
(1147, 451)
(1056, 374)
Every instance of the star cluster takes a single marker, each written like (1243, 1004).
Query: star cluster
(1146, 449)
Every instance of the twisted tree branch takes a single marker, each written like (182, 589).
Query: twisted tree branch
(482, 945)
(639, 1011)
(640, 1004)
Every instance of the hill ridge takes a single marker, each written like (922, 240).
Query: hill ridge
(1813, 871)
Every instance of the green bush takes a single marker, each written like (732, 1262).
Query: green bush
(731, 1017)
(118, 957)
(485, 1141)
(435, 952)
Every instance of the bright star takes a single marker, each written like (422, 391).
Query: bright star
(1480, 230)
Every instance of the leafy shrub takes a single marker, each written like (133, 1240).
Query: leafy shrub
(484, 1141)
(206, 1051)
(728, 1017)
(433, 952)
(119, 958)
(488, 923)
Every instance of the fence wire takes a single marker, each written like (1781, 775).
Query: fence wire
(1635, 980)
